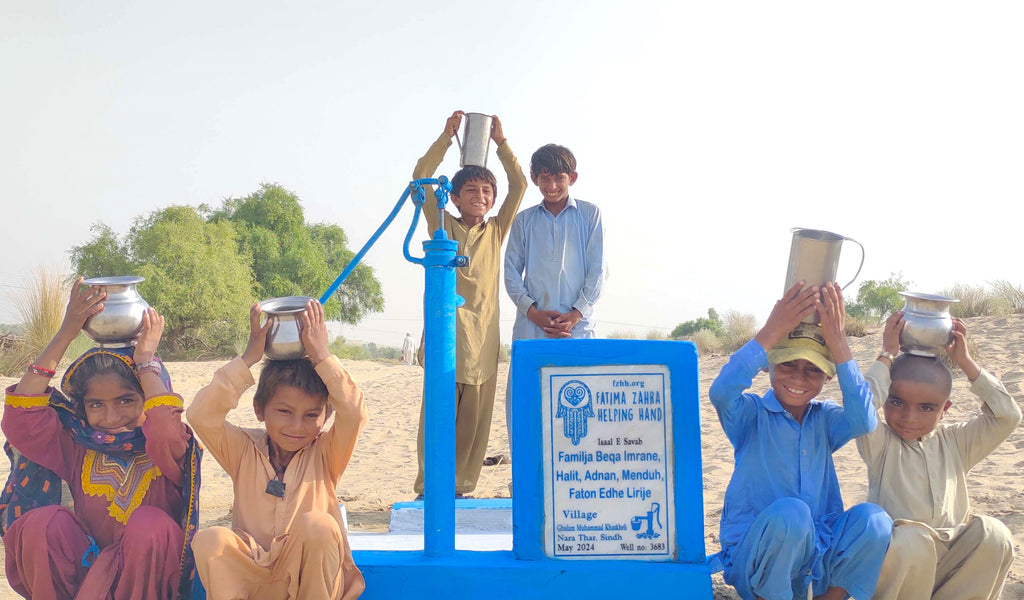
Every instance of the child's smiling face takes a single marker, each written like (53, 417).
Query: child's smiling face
(554, 187)
(293, 419)
(796, 382)
(914, 408)
(474, 200)
(110, 405)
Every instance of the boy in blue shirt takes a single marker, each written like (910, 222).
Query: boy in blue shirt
(783, 526)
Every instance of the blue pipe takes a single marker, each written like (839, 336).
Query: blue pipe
(443, 187)
(439, 303)
(366, 247)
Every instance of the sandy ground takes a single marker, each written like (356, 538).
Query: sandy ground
(387, 445)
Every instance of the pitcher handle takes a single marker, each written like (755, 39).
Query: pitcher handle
(457, 140)
(847, 239)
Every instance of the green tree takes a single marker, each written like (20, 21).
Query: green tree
(290, 258)
(878, 299)
(194, 276)
(204, 268)
(711, 323)
(103, 256)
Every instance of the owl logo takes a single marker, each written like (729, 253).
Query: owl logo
(574, 408)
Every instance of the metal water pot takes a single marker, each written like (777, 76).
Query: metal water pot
(284, 340)
(119, 324)
(476, 140)
(927, 324)
(814, 258)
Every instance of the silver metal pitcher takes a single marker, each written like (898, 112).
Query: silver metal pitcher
(476, 140)
(927, 324)
(284, 341)
(119, 324)
(814, 258)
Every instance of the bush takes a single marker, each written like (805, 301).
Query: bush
(711, 323)
(740, 328)
(1012, 295)
(41, 310)
(975, 301)
(876, 300)
(342, 349)
(622, 334)
(707, 342)
(856, 327)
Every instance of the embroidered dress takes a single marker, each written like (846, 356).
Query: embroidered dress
(135, 499)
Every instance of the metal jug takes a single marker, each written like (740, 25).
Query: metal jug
(284, 338)
(927, 324)
(120, 322)
(476, 140)
(814, 258)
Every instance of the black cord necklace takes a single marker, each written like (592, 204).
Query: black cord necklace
(275, 487)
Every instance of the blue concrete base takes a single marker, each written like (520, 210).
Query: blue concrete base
(499, 576)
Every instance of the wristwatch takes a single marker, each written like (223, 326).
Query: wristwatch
(886, 354)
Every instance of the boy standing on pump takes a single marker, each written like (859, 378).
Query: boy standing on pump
(917, 472)
(477, 336)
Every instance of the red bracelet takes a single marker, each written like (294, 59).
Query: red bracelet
(37, 370)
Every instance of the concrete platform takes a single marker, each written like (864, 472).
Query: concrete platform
(480, 542)
(472, 516)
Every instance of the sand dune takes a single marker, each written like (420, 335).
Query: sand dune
(384, 465)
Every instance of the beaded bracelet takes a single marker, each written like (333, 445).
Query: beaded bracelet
(37, 370)
(154, 370)
(150, 366)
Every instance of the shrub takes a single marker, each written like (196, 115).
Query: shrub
(711, 323)
(856, 327)
(876, 300)
(655, 335)
(975, 301)
(707, 342)
(1012, 295)
(740, 328)
(41, 310)
(622, 334)
(342, 349)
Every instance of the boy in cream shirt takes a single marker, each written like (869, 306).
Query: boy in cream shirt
(917, 471)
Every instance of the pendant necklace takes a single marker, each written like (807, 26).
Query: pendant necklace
(275, 487)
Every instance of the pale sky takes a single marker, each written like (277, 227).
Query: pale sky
(704, 131)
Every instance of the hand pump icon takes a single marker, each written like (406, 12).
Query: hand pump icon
(652, 515)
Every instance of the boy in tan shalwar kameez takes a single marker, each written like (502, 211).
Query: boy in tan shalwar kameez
(287, 538)
(917, 470)
(476, 332)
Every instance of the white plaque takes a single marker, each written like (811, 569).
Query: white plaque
(608, 462)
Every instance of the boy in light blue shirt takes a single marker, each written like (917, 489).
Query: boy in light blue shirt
(783, 526)
(554, 263)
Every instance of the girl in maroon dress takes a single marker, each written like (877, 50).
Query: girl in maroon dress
(114, 434)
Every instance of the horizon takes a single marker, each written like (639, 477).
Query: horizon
(703, 131)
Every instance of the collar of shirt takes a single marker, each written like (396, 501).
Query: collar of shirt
(462, 222)
(771, 403)
(570, 203)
